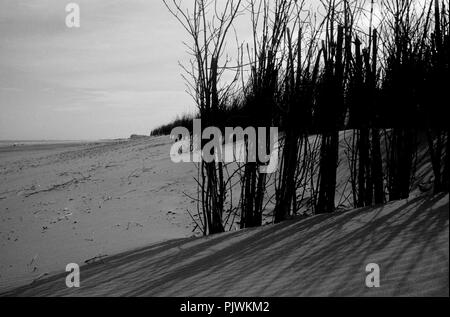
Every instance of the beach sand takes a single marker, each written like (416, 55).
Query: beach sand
(323, 255)
(77, 202)
(124, 201)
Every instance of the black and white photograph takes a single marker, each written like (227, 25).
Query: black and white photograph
(233, 155)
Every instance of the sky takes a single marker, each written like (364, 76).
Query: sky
(116, 75)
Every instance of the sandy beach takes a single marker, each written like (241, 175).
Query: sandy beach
(83, 202)
(79, 202)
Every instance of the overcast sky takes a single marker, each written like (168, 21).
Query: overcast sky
(115, 75)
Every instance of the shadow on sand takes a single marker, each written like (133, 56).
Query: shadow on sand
(324, 255)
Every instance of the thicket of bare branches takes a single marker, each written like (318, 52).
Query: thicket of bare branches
(377, 68)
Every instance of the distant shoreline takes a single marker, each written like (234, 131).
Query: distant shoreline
(43, 145)
(7, 143)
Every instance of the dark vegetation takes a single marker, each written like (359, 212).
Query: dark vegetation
(379, 69)
(184, 121)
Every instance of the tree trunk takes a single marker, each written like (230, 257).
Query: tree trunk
(377, 167)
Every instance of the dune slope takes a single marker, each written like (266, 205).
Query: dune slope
(321, 255)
